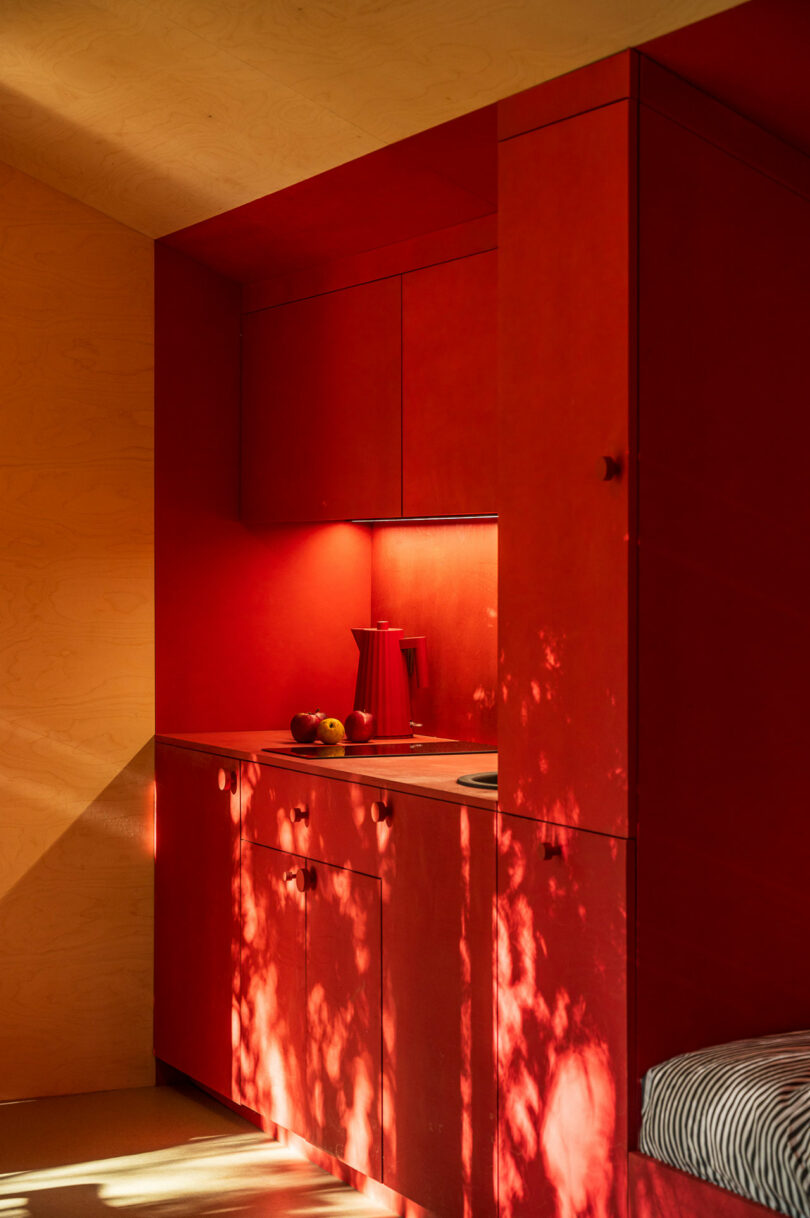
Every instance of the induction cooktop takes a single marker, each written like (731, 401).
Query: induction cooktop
(383, 748)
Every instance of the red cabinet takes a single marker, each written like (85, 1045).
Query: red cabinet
(438, 1027)
(344, 1015)
(273, 988)
(449, 388)
(311, 1002)
(321, 426)
(323, 988)
(563, 926)
(565, 269)
(197, 916)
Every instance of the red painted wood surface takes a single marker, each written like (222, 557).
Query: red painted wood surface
(197, 918)
(449, 388)
(283, 598)
(428, 249)
(675, 98)
(441, 581)
(659, 1191)
(753, 58)
(336, 826)
(723, 585)
(274, 990)
(440, 177)
(562, 966)
(599, 84)
(321, 407)
(344, 1015)
(440, 1094)
(565, 272)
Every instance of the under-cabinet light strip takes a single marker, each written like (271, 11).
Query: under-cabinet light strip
(422, 519)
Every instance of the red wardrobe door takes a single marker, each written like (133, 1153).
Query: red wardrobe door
(724, 663)
(565, 271)
(449, 388)
(197, 916)
(273, 1007)
(562, 1020)
(344, 1015)
(321, 407)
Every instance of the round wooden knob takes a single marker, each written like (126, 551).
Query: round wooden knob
(548, 851)
(296, 814)
(226, 780)
(609, 468)
(304, 878)
(380, 812)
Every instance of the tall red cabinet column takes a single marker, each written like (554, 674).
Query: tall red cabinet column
(566, 293)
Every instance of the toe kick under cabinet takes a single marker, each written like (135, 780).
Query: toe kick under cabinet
(363, 1001)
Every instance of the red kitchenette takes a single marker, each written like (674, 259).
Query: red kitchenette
(438, 388)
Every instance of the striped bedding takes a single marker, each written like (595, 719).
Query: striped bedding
(737, 1115)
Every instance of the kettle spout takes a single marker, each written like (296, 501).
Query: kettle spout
(358, 634)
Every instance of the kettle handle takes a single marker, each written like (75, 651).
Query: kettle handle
(416, 659)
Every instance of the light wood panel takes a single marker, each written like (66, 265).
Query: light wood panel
(76, 645)
(164, 112)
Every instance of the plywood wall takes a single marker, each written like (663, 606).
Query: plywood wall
(76, 646)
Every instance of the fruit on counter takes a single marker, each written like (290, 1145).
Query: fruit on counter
(330, 731)
(304, 726)
(360, 725)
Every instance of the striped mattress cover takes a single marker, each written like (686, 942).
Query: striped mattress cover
(737, 1115)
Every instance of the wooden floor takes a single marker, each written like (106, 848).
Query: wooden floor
(155, 1151)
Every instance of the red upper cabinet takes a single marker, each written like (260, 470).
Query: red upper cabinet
(449, 388)
(565, 268)
(321, 419)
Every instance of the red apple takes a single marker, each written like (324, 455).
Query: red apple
(360, 725)
(304, 726)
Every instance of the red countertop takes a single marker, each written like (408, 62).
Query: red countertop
(433, 776)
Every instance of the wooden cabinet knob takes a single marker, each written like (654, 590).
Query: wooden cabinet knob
(380, 812)
(548, 851)
(304, 878)
(609, 468)
(296, 814)
(226, 780)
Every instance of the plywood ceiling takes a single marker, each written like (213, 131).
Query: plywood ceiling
(165, 112)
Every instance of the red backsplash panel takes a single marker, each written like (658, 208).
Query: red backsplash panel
(440, 580)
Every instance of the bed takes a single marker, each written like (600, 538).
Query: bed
(735, 1117)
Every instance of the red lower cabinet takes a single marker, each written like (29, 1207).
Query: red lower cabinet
(274, 993)
(562, 957)
(438, 1027)
(197, 916)
(344, 1015)
(311, 1001)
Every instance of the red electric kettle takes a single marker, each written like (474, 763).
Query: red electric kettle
(388, 665)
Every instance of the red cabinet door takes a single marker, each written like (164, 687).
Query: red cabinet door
(449, 388)
(273, 1006)
(562, 951)
(438, 874)
(565, 275)
(344, 937)
(197, 916)
(321, 407)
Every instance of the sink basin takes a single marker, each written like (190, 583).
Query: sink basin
(488, 781)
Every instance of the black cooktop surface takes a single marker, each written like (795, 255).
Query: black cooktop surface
(382, 748)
